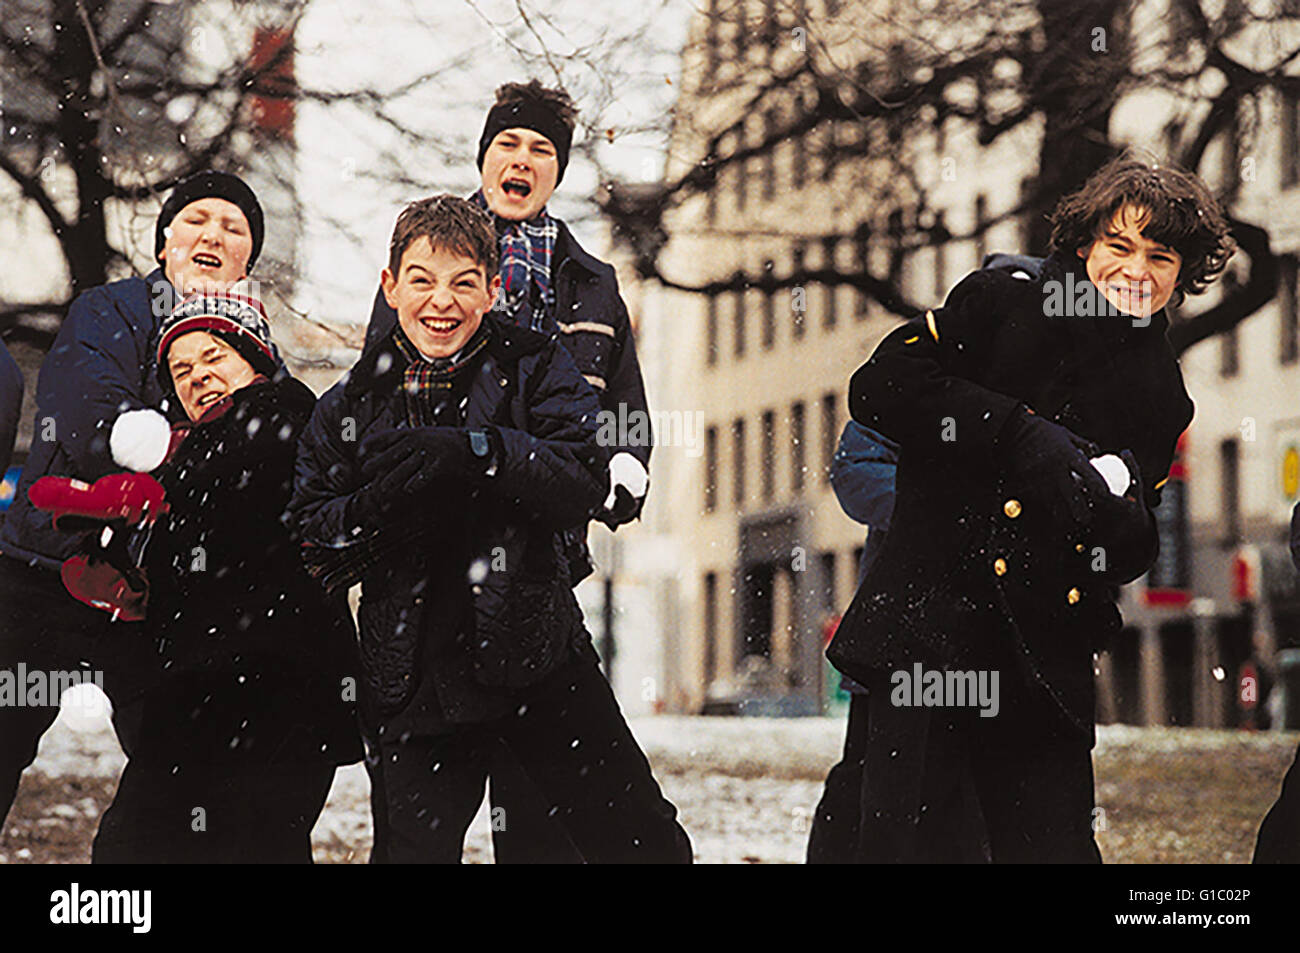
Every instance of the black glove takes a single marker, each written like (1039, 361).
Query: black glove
(625, 509)
(1123, 527)
(1052, 461)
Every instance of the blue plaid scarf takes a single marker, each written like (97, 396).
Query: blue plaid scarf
(527, 250)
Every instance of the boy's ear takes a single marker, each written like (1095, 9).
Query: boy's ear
(494, 290)
(388, 282)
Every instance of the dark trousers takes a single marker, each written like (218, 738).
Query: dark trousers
(43, 628)
(213, 814)
(533, 835)
(836, 821)
(943, 785)
(572, 743)
(1279, 835)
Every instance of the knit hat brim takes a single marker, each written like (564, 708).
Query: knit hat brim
(239, 320)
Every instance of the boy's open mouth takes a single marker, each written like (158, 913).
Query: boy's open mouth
(516, 187)
(206, 260)
(440, 325)
(210, 398)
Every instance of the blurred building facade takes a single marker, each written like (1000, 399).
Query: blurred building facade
(756, 556)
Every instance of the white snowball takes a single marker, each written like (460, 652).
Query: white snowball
(139, 440)
(1114, 471)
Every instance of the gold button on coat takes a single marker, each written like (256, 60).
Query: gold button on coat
(1000, 566)
(1073, 596)
(1011, 508)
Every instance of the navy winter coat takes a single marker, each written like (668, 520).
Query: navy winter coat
(471, 592)
(102, 364)
(11, 405)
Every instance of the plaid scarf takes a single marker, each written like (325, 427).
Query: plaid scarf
(429, 382)
(527, 250)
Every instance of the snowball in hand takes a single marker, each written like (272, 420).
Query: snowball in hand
(139, 440)
(1114, 471)
(627, 471)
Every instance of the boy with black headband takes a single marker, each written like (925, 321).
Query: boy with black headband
(551, 284)
(441, 474)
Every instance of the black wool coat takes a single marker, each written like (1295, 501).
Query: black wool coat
(256, 662)
(466, 594)
(973, 573)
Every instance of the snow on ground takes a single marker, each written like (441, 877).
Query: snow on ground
(746, 788)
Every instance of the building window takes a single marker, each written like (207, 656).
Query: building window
(1290, 123)
(830, 288)
(799, 161)
(830, 434)
(1230, 469)
(895, 230)
(769, 155)
(1229, 353)
(828, 149)
(769, 454)
(769, 307)
(710, 469)
(981, 229)
(862, 256)
(738, 461)
(742, 171)
(940, 288)
(710, 627)
(798, 309)
(798, 461)
(1287, 309)
(711, 331)
(738, 315)
(830, 600)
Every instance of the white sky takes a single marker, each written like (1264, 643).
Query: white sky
(474, 46)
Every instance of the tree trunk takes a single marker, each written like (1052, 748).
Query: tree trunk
(85, 242)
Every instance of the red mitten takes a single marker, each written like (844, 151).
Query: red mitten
(100, 586)
(134, 497)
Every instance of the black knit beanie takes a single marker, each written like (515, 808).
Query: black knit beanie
(528, 114)
(211, 184)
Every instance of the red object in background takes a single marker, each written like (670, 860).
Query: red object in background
(1247, 674)
(829, 627)
(275, 90)
(1243, 578)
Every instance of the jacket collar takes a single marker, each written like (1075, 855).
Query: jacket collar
(568, 249)
(382, 367)
(1116, 327)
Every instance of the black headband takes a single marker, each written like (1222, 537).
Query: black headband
(528, 114)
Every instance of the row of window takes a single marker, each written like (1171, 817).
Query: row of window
(1288, 309)
(791, 432)
(791, 297)
(754, 634)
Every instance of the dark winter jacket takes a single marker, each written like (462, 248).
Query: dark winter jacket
(593, 323)
(11, 405)
(102, 364)
(973, 574)
(468, 599)
(256, 661)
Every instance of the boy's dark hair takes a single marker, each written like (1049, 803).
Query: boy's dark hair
(555, 98)
(450, 222)
(1182, 213)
